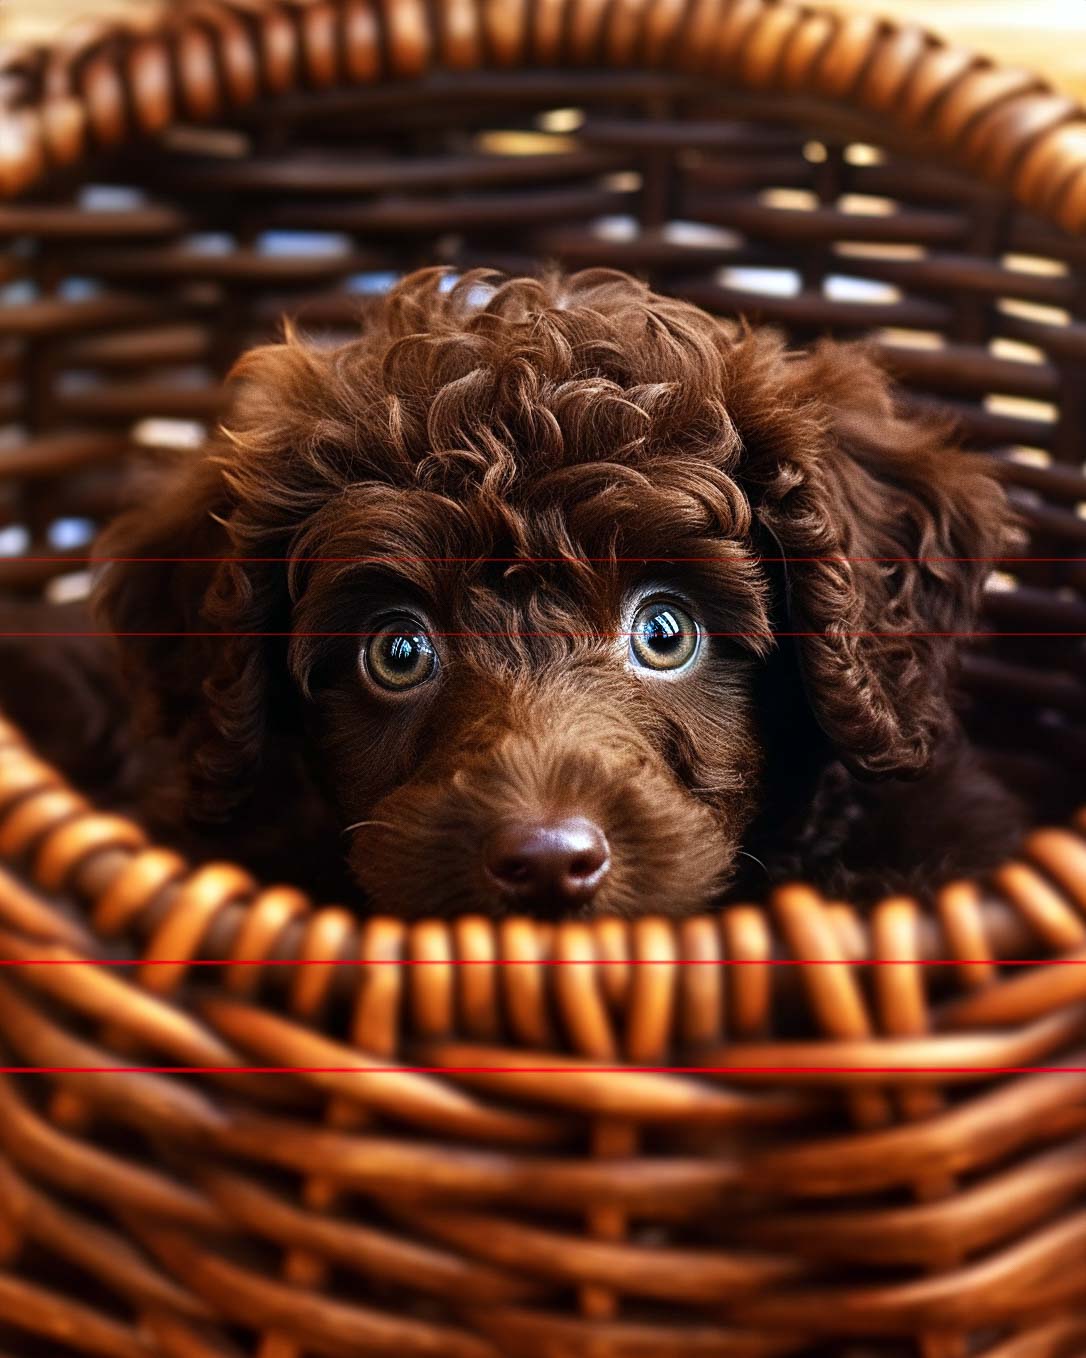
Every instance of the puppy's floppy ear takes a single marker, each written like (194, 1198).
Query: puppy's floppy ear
(889, 533)
(216, 590)
(188, 615)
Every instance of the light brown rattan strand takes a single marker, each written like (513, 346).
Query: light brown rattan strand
(108, 85)
(658, 1009)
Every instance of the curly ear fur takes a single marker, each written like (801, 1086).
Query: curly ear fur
(189, 611)
(197, 586)
(888, 531)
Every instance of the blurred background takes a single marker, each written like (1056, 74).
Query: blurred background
(1047, 35)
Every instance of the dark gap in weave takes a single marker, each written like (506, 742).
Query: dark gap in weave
(17, 1342)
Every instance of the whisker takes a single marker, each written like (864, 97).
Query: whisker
(360, 824)
(743, 854)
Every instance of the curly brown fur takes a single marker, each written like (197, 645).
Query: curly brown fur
(516, 463)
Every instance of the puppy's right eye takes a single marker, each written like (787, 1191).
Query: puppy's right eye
(400, 659)
(664, 636)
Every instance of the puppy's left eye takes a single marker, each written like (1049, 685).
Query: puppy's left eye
(663, 636)
(398, 660)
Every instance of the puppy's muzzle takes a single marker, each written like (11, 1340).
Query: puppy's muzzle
(548, 866)
(557, 806)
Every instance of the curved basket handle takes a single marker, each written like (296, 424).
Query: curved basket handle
(100, 86)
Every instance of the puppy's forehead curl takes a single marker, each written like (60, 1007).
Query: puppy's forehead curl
(412, 537)
(560, 419)
(588, 525)
(445, 394)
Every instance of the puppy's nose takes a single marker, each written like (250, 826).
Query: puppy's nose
(557, 863)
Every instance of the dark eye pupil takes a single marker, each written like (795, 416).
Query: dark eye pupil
(663, 632)
(403, 653)
(664, 636)
(399, 660)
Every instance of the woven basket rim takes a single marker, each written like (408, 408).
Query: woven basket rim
(100, 85)
(139, 893)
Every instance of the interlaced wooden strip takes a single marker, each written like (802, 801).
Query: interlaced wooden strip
(945, 1138)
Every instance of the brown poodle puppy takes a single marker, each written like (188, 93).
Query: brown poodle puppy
(558, 595)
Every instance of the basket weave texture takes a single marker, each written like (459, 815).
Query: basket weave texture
(893, 1161)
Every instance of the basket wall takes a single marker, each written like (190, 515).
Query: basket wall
(171, 193)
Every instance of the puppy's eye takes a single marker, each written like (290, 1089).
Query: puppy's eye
(663, 636)
(400, 659)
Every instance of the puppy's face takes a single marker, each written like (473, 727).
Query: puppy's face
(529, 735)
(492, 573)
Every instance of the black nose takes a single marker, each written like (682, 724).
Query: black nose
(556, 863)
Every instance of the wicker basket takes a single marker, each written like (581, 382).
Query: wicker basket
(893, 1158)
